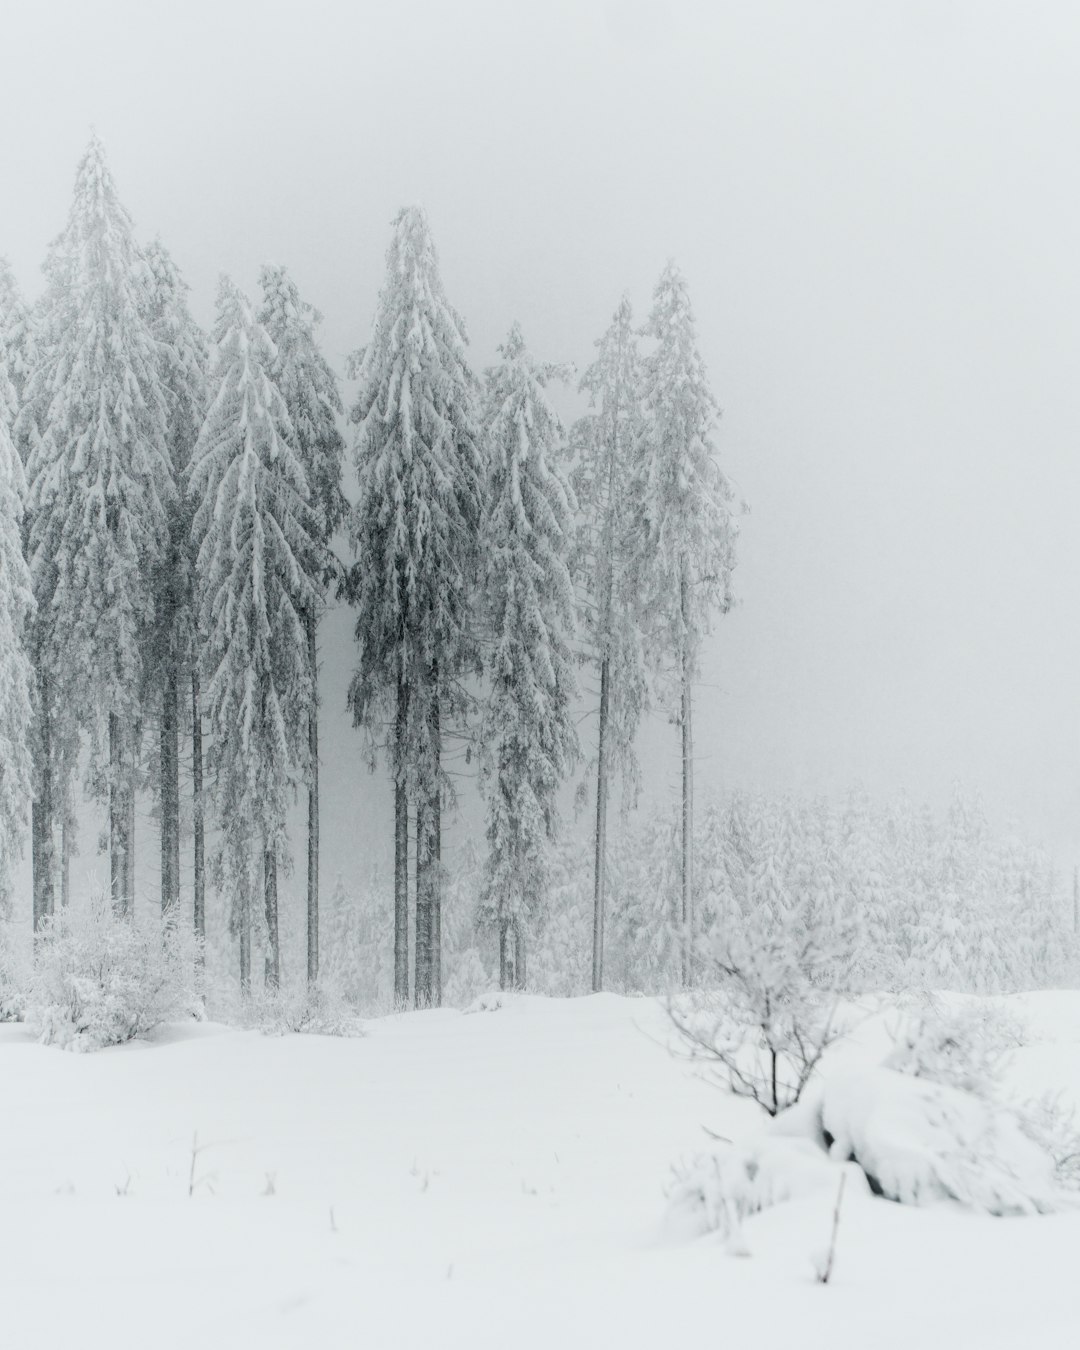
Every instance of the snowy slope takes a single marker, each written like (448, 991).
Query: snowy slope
(465, 1180)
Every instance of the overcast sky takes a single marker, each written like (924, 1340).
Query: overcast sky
(877, 209)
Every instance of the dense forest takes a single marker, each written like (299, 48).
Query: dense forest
(174, 521)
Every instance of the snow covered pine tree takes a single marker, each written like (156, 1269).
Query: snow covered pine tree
(528, 739)
(312, 397)
(415, 528)
(101, 490)
(254, 529)
(686, 531)
(603, 442)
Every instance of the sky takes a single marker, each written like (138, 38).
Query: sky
(877, 210)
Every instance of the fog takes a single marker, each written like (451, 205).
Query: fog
(877, 210)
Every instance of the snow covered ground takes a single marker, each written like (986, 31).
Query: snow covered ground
(474, 1180)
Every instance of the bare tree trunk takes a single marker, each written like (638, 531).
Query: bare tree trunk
(197, 804)
(41, 810)
(118, 817)
(129, 827)
(67, 844)
(422, 990)
(313, 808)
(435, 819)
(245, 936)
(687, 791)
(170, 794)
(401, 853)
(504, 954)
(272, 965)
(520, 971)
(600, 864)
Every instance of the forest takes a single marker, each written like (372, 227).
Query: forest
(178, 510)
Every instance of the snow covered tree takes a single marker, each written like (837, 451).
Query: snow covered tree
(254, 530)
(686, 531)
(415, 528)
(603, 442)
(182, 359)
(16, 603)
(311, 395)
(18, 349)
(101, 490)
(528, 737)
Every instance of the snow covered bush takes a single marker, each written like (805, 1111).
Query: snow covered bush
(962, 1046)
(766, 1020)
(296, 1009)
(99, 980)
(715, 1192)
(13, 977)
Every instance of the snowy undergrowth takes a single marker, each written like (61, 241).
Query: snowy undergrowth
(98, 979)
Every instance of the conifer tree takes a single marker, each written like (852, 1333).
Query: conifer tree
(528, 738)
(684, 524)
(100, 492)
(18, 351)
(16, 604)
(182, 357)
(415, 528)
(603, 442)
(253, 529)
(311, 395)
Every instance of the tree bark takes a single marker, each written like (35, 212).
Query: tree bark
(504, 954)
(600, 863)
(67, 839)
(687, 789)
(435, 819)
(245, 936)
(272, 965)
(520, 969)
(41, 810)
(129, 826)
(313, 808)
(401, 852)
(170, 795)
(197, 805)
(422, 990)
(118, 817)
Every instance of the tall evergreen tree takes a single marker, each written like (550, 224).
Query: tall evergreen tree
(16, 604)
(415, 528)
(182, 357)
(313, 399)
(254, 530)
(603, 442)
(685, 526)
(528, 740)
(18, 349)
(100, 490)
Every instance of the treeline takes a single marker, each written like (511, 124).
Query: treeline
(168, 507)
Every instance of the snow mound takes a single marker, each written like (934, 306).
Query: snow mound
(920, 1142)
(717, 1191)
(485, 1003)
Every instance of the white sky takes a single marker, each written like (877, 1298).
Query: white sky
(877, 209)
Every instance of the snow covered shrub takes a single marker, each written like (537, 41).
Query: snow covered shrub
(1051, 1124)
(99, 980)
(767, 1020)
(13, 978)
(919, 1142)
(715, 1192)
(964, 1047)
(296, 1009)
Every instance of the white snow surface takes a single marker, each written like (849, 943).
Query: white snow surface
(471, 1182)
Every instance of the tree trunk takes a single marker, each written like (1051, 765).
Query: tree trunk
(67, 844)
(118, 817)
(272, 966)
(245, 935)
(197, 805)
(687, 790)
(401, 853)
(129, 827)
(435, 820)
(520, 971)
(313, 808)
(600, 863)
(422, 991)
(504, 954)
(170, 795)
(41, 810)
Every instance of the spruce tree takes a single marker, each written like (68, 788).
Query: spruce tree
(311, 395)
(16, 676)
(101, 490)
(528, 737)
(254, 529)
(603, 442)
(686, 532)
(415, 528)
(182, 358)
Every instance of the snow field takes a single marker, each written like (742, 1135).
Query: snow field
(472, 1181)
